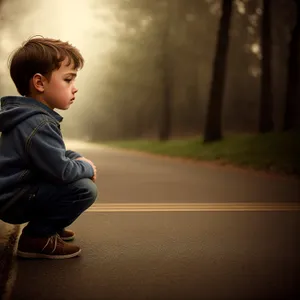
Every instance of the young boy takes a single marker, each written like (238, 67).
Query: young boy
(41, 182)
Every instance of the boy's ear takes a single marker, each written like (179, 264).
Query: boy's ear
(38, 81)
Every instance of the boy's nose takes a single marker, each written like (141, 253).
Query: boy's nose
(75, 90)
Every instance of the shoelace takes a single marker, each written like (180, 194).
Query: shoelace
(54, 239)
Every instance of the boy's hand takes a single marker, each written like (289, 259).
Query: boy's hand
(92, 164)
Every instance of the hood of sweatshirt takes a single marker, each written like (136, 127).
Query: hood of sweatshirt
(15, 109)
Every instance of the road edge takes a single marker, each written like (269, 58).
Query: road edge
(213, 164)
(210, 164)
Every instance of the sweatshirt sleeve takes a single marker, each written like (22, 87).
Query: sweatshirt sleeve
(72, 154)
(46, 150)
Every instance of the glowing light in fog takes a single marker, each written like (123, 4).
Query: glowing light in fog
(81, 22)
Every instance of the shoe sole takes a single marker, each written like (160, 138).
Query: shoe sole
(48, 256)
(68, 239)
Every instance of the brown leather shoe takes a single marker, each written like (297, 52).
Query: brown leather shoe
(52, 248)
(67, 235)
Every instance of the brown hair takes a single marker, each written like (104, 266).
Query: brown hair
(41, 55)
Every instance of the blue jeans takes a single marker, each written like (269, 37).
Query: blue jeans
(49, 208)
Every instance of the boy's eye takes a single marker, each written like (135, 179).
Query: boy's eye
(68, 80)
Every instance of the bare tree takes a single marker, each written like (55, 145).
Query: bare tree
(292, 90)
(166, 71)
(213, 126)
(266, 123)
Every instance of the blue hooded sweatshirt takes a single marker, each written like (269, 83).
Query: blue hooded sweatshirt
(32, 149)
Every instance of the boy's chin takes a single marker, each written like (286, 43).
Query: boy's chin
(63, 108)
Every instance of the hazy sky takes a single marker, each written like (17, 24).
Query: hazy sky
(69, 20)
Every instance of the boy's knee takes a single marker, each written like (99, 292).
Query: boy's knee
(87, 189)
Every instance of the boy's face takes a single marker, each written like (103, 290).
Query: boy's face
(59, 91)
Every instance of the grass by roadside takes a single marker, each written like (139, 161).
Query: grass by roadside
(273, 152)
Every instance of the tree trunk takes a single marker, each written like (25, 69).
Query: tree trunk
(292, 90)
(213, 122)
(165, 126)
(165, 120)
(266, 123)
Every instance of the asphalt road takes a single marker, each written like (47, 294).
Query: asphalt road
(164, 229)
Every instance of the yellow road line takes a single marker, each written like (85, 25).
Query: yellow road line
(190, 207)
